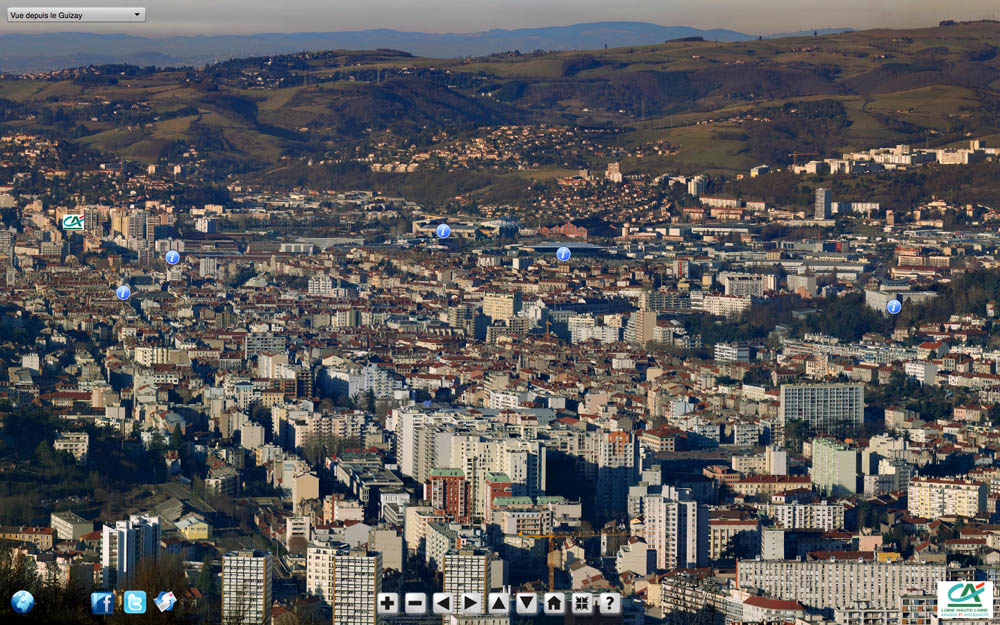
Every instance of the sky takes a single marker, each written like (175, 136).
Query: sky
(758, 17)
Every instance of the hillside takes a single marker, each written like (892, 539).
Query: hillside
(723, 106)
(47, 51)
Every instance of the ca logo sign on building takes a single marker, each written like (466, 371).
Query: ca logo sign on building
(965, 600)
(72, 222)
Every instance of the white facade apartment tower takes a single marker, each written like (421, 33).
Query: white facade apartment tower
(825, 407)
(467, 571)
(246, 588)
(677, 528)
(357, 580)
(126, 545)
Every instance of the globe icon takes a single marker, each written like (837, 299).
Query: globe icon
(22, 602)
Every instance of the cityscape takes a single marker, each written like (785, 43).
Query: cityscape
(694, 332)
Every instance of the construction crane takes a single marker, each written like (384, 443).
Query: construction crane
(568, 534)
(795, 156)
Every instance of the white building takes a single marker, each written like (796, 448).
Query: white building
(731, 352)
(745, 284)
(467, 571)
(932, 498)
(75, 443)
(676, 527)
(729, 306)
(320, 285)
(346, 580)
(697, 185)
(835, 467)
(126, 545)
(831, 584)
(357, 381)
(246, 588)
(825, 407)
(824, 515)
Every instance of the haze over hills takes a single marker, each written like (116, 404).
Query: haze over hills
(698, 105)
(21, 52)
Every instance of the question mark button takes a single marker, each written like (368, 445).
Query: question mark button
(609, 603)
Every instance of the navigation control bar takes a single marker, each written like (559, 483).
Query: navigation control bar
(498, 604)
(60, 15)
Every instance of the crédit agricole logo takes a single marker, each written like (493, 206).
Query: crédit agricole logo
(965, 600)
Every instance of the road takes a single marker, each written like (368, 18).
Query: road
(183, 492)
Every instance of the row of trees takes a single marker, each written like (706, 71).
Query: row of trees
(65, 600)
(26, 436)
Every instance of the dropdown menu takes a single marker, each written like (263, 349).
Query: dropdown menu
(62, 15)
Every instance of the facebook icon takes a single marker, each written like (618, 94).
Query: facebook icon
(102, 603)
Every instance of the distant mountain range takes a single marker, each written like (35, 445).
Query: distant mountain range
(21, 52)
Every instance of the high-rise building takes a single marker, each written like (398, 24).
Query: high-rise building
(447, 490)
(320, 571)
(824, 203)
(6, 242)
(246, 588)
(126, 545)
(617, 469)
(835, 467)
(208, 267)
(502, 306)
(641, 327)
(696, 185)
(429, 441)
(207, 225)
(467, 571)
(93, 221)
(743, 284)
(825, 407)
(346, 580)
(930, 498)
(320, 285)
(136, 225)
(676, 527)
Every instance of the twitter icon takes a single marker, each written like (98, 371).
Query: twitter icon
(165, 601)
(135, 602)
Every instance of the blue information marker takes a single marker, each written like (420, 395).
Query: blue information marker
(893, 306)
(563, 254)
(173, 257)
(443, 230)
(123, 292)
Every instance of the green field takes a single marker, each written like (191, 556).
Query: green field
(933, 86)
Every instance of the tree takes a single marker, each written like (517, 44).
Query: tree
(175, 438)
(797, 432)
(206, 578)
(370, 401)
(757, 376)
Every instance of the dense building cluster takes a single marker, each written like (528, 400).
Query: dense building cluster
(721, 425)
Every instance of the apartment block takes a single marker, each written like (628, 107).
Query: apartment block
(126, 545)
(246, 588)
(825, 407)
(932, 498)
(835, 467)
(831, 584)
